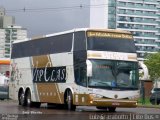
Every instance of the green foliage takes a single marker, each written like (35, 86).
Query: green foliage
(153, 64)
(146, 101)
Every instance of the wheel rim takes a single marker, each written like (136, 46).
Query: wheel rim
(29, 99)
(21, 99)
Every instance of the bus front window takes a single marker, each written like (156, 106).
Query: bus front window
(113, 74)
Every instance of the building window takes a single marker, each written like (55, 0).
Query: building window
(139, 5)
(122, 3)
(130, 11)
(122, 11)
(139, 19)
(122, 18)
(131, 4)
(131, 19)
(139, 11)
(112, 2)
(122, 25)
(112, 25)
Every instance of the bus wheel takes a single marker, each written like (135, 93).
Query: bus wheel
(111, 109)
(36, 104)
(101, 108)
(21, 99)
(69, 101)
(28, 99)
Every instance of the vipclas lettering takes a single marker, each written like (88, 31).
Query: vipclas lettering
(49, 74)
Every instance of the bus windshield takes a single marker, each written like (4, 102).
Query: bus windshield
(113, 74)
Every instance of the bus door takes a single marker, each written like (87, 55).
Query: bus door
(81, 81)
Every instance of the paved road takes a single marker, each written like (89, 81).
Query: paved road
(11, 111)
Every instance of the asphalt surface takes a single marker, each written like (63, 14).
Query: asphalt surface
(10, 110)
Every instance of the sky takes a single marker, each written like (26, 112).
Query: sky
(42, 17)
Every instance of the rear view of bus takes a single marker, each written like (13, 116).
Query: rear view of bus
(112, 69)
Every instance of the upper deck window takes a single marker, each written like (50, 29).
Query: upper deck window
(42, 46)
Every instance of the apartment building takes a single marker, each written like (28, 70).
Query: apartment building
(141, 17)
(9, 32)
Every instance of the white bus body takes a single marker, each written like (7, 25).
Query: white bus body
(73, 69)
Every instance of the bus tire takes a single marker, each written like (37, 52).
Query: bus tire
(112, 109)
(21, 99)
(28, 99)
(69, 101)
(36, 104)
(101, 108)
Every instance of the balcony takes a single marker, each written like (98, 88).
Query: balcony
(136, 16)
(158, 33)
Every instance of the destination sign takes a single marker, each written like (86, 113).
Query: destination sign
(109, 35)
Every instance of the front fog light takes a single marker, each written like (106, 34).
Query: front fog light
(91, 102)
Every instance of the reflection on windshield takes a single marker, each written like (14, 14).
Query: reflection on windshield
(114, 74)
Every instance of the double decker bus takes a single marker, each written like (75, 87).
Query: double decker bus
(80, 67)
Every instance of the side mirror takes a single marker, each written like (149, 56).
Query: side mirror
(89, 68)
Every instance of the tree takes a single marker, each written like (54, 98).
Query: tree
(153, 64)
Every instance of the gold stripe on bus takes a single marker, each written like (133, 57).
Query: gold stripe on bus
(111, 102)
(81, 99)
(86, 99)
(94, 55)
(57, 88)
(40, 61)
(131, 57)
(110, 31)
(47, 92)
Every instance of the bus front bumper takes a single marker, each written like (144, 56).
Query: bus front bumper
(113, 103)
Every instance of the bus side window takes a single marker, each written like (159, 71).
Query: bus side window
(77, 77)
(83, 78)
(80, 76)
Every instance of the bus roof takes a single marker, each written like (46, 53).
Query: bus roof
(4, 61)
(76, 30)
(90, 29)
